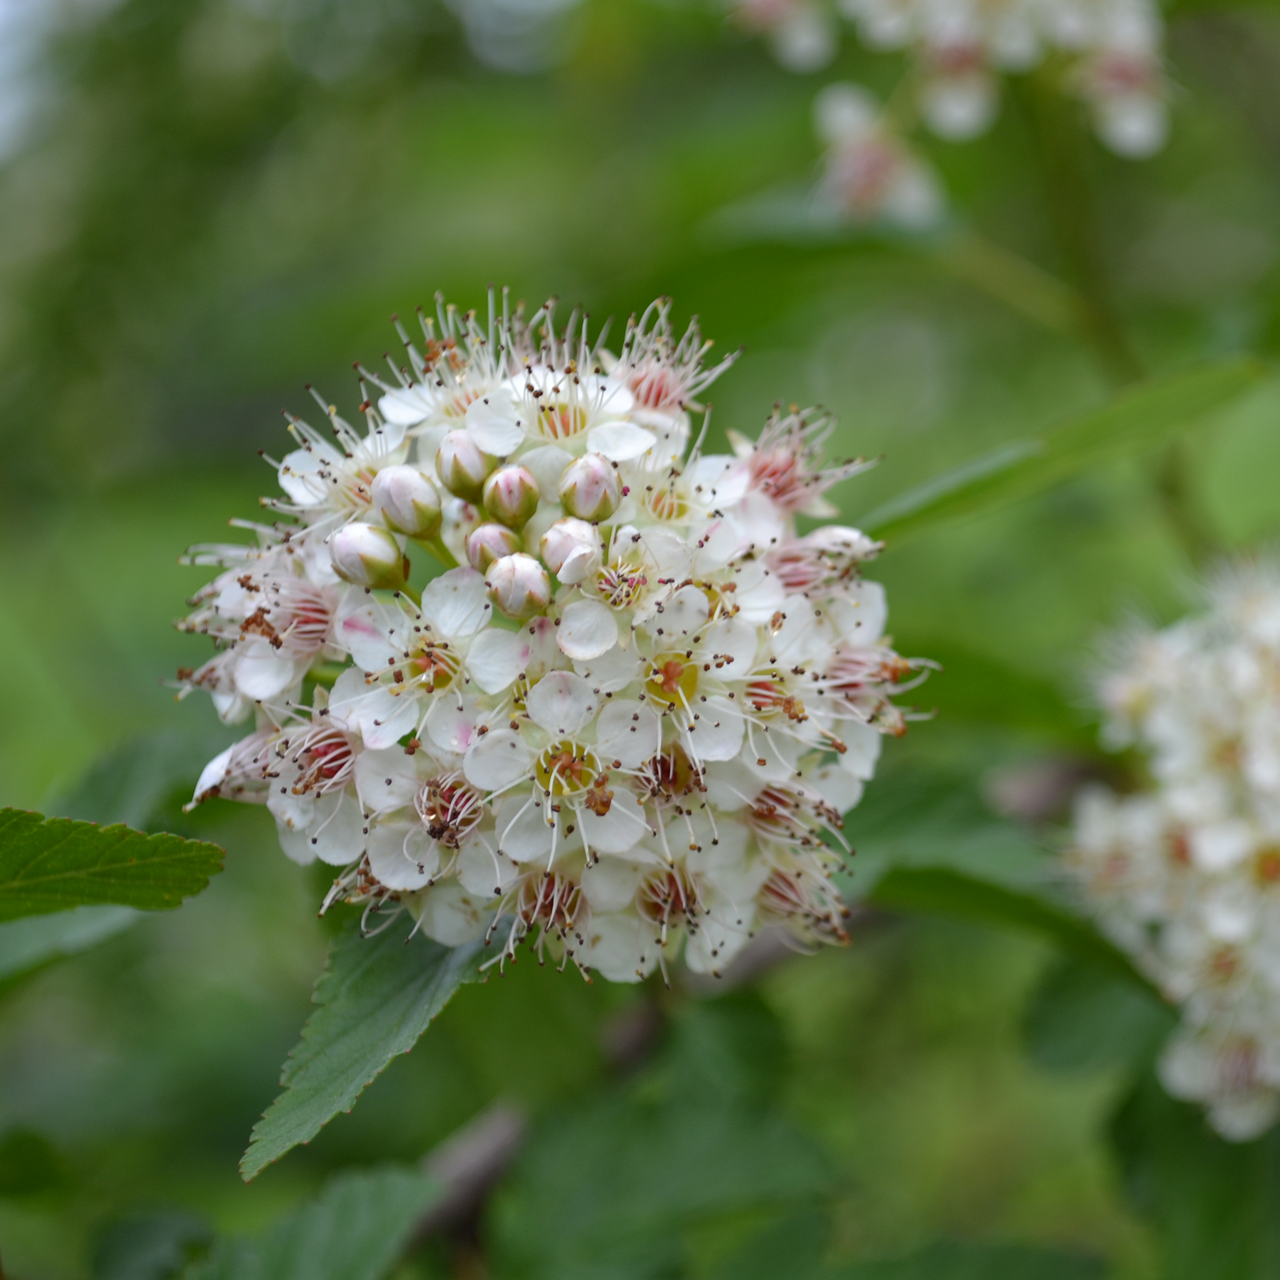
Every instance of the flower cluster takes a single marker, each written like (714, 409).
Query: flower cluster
(1106, 53)
(630, 712)
(1185, 875)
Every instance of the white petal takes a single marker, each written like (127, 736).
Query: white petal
(372, 632)
(546, 464)
(386, 779)
(619, 441)
(299, 473)
(450, 915)
(497, 760)
(495, 426)
(484, 873)
(718, 731)
(347, 697)
(622, 948)
(734, 640)
(863, 744)
(497, 657)
(617, 831)
(262, 672)
(611, 884)
(450, 727)
(628, 731)
(561, 703)
(587, 629)
(681, 616)
(402, 856)
(213, 774)
(407, 407)
(384, 718)
(456, 603)
(335, 834)
(523, 832)
(612, 670)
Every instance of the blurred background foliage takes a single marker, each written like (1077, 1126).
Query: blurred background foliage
(205, 205)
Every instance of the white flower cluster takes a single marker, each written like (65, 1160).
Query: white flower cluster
(1108, 54)
(629, 714)
(1185, 875)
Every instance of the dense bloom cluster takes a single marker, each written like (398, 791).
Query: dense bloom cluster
(1107, 53)
(630, 712)
(1185, 875)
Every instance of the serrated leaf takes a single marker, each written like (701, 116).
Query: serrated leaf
(355, 1229)
(1139, 418)
(376, 996)
(26, 943)
(1087, 1017)
(1216, 1203)
(53, 864)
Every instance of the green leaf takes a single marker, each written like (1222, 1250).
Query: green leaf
(355, 1229)
(376, 996)
(30, 1164)
(157, 1246)
(1138, 418)
(975, 1262)
(1216, 1203)
(24, 944)
(1085, 1017)
(53, 864)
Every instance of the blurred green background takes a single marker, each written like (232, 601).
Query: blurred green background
(204, 206)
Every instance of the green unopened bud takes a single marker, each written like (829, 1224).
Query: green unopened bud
(519, 585)
(461, 466)
(408, 501)
(490, 542)
(368, 556)
(590, 488)
(511, 496)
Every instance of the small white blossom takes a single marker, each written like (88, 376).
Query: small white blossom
(627, 723)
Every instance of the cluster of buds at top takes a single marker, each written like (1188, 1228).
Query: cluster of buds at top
(626, 716)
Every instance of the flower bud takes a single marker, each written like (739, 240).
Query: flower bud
(408, 501)
(511, 496)
(518, 585)
(590, 488)
(368, 556)
(490, 542)
(571, 549)
(462, 467)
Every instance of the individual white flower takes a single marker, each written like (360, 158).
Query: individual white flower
(870, 174)
(625, 727)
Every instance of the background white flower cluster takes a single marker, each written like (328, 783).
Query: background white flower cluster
(628, 716)
(1107, 53)
(1185, 875)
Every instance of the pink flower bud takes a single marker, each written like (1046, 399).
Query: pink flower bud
(490, 542)
(590, 488)
(511, 496)
(461, 466)
(571, 549)
(518, 585)
(408, 501)
(368, 556)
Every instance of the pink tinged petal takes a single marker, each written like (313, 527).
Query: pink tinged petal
(386, 779)
(497, 658)
(629, 732)
(587, 629)
(450, 915)
(456, 603)
(384, 719)
(498, 759)
(406, 407)
(522, 831)
(620, 441)
(617, 831)
(371, 631)
(402, 856)
(261, 672)
(450, 727)
(612, 670)
(495, 426)
(621, 948)
(561, 703)
(717, 733)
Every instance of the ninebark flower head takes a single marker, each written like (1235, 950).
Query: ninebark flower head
(626, 718)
